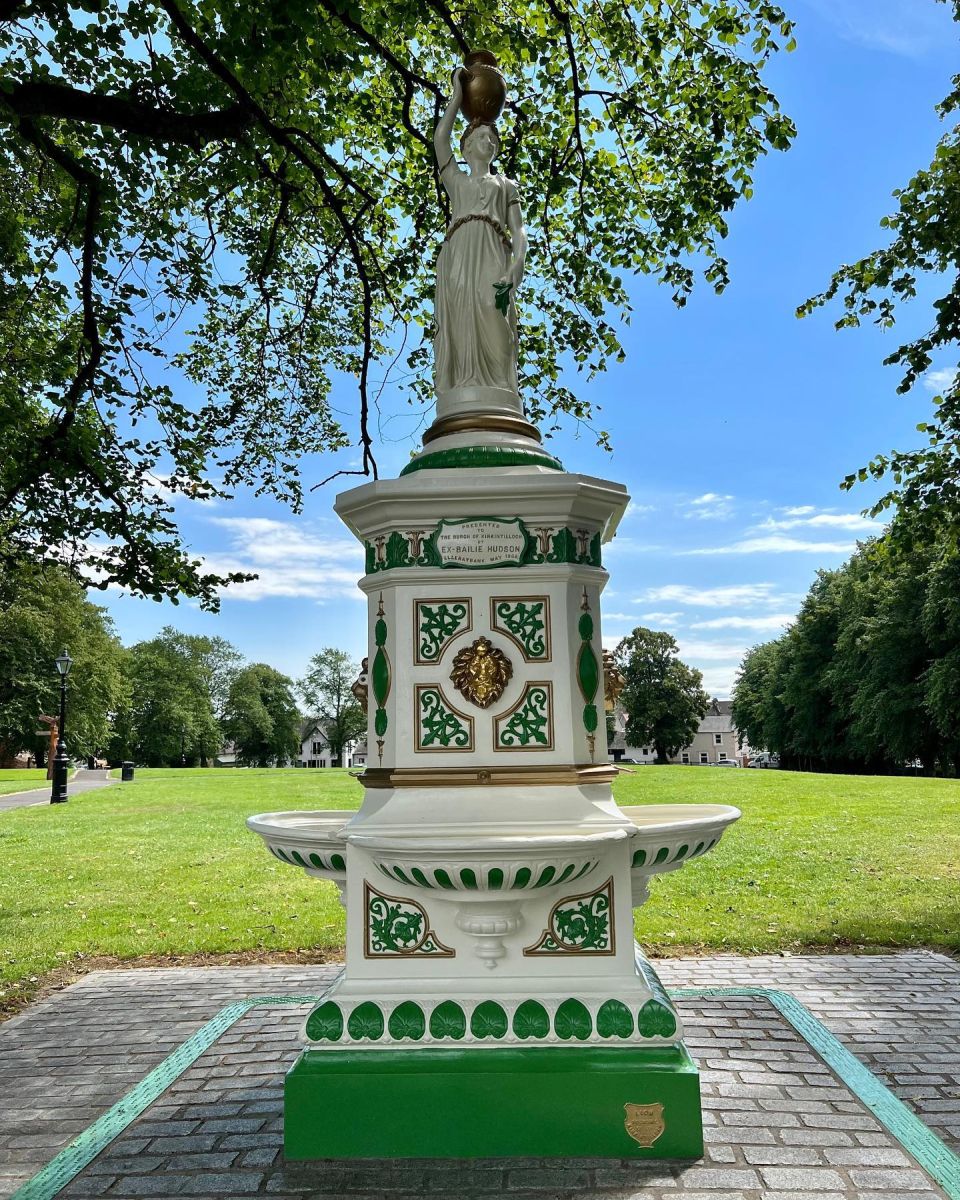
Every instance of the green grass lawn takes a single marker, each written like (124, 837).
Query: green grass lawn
(164, 866)
(16, 780)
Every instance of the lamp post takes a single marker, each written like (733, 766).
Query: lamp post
(58, 794)
(183, 752)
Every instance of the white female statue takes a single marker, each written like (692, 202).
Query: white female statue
(479, 268)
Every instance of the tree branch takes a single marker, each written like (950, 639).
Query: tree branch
(42, 99)
(381, 50)
(284, 138)
(446, 16)
(10, 10)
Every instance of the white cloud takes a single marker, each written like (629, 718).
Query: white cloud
(906, 27)
(798, 510)
(807, 517)
(776, 544)
(621, 544)
(290, 559)
(940, 381)
(637, 510)
(775, 621)
(647, 618)
(732, 595)
(711, 506)
(719, 681)
(694, 651)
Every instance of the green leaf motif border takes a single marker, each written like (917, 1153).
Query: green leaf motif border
(489, 1021)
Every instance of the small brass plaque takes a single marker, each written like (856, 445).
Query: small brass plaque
(644, 1123)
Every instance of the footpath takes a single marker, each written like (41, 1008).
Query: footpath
(82, 781)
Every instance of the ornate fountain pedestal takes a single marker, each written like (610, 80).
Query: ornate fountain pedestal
(493, 1000)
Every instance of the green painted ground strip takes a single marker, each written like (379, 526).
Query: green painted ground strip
(72, 1159)
(939, 1162)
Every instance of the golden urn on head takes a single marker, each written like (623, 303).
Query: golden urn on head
(484, 88)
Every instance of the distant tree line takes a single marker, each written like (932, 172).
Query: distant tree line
(867, 679)
(174, 699)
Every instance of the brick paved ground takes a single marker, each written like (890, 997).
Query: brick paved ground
(779, 1126)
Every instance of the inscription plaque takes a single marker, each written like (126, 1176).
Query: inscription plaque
(484, 542)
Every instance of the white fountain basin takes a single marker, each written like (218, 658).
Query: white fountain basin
(667, 837)
(670, 835)
(508, 863)
(311, 840)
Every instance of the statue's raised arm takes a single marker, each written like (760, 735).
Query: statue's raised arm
(442, 135)
(482, 259)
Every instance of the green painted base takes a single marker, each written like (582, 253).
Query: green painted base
(538, 1102)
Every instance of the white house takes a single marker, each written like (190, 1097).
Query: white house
(315, 749)
(717, 740)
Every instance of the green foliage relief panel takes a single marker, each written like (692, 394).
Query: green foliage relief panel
(528, 726)
(398, 927)
(440, 726)
(437, 624)
(524, 621)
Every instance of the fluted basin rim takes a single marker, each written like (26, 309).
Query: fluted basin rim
(660, 819)
(324, 824)
(498, 843)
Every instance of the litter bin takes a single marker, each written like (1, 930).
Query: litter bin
(126, 772)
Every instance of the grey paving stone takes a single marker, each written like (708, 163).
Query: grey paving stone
(809, 1179)
(216, 1131)
(719, 1178)
(890, 1178)
(782, 1156)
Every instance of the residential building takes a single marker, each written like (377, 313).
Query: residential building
(717, 740)
(315, 749)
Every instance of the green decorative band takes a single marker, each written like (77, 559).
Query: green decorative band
(529, 1019)
(588, 671)
(380, 677)
(333, 861)
(541, 544)
(382, 1022)
(579, 925)
(659, 992)
(504, 877)
(482, 456)
(670, 854)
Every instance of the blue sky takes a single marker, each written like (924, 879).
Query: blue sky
(732, 421)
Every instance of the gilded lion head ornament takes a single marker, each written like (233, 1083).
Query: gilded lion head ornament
(481, 672)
